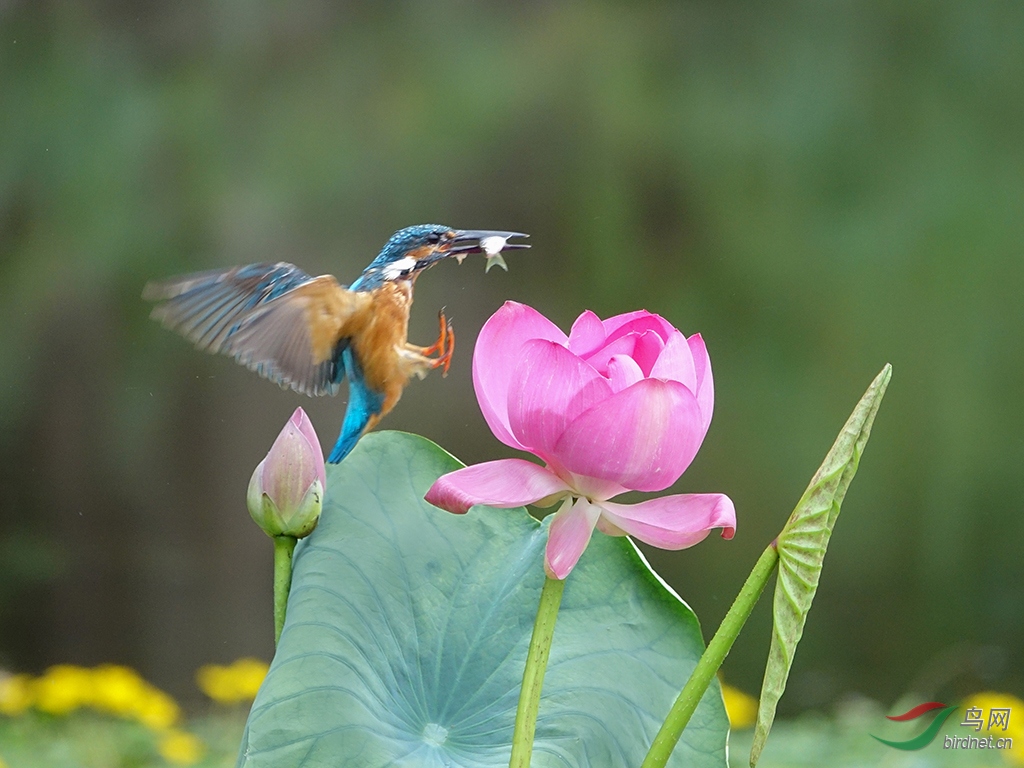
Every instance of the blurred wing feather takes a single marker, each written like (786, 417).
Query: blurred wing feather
(273, 318)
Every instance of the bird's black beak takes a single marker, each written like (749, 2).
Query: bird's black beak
(468, 241)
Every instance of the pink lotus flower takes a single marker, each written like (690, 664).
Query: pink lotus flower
(620, 404)
(286, 491)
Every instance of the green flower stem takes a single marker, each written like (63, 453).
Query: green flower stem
(711, 660)
(533, 675)
(283, 548)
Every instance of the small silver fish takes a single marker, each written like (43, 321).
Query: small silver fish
(493, 246)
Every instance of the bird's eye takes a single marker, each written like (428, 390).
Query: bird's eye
(433, 237)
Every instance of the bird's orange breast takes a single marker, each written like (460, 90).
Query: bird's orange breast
(379, 332)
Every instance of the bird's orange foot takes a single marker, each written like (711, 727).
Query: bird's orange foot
(419, 358)
(444, 347)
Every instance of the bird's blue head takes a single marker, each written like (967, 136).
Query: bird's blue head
(414, 249)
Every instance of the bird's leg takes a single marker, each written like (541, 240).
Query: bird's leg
(446, 356)
(443, 347)
(439, 345)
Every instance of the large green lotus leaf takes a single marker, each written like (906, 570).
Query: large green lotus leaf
(408, 629)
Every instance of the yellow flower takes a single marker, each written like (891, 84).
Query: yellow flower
(234, 683)
(181, 748)
(249, 675)
(118, 690)
(741, 707)
(989, 700)
(215, 681)
(15, 695)
(62, 689)
(2, 763)
(122, 691)
(156, 709)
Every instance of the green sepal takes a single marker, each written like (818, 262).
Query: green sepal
(297, 523)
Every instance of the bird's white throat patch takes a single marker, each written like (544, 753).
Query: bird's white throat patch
(397, 268)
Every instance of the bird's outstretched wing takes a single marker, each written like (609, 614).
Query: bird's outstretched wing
(273, 318)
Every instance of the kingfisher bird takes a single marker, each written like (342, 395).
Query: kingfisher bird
(310, 333)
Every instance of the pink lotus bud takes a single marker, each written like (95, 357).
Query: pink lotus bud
(286, 490)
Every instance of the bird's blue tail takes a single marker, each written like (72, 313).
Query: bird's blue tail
(363, 404)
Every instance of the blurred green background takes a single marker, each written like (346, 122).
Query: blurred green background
(818, 189)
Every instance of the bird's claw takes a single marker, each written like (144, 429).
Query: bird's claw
(444, 346)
